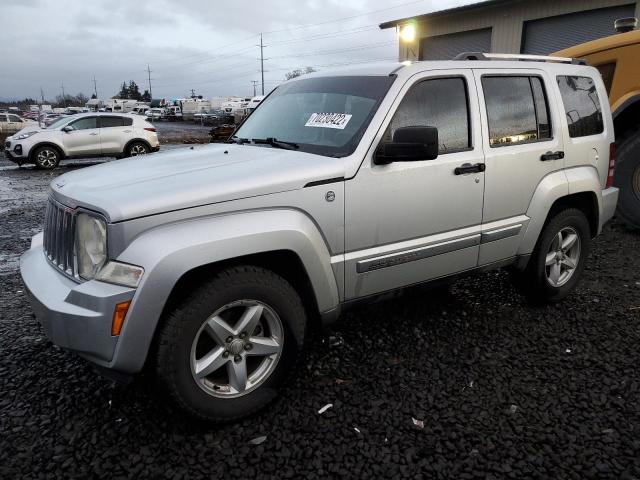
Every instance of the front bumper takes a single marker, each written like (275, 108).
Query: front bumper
(75, 316)
(609, 202)
(14, 152)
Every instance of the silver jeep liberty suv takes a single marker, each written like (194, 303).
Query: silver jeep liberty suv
(209, 265)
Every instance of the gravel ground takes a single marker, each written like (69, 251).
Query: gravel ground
(498, 389)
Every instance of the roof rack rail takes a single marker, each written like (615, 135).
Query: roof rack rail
(514, 56)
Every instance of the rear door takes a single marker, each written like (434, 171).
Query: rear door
(84, 139)
(115, 132)
(523, 143)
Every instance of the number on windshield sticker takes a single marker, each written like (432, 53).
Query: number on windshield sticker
(328, 120)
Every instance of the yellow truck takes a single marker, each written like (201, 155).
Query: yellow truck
(618, 59)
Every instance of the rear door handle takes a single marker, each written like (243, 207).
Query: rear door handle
(94, 133)
(127, 131)
(545, 157)
(469, 168)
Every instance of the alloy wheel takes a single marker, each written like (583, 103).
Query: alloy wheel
(563, 257)
(236, 349)
(47, 158)
(137, 150)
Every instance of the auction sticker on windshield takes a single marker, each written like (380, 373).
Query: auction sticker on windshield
(328, 120)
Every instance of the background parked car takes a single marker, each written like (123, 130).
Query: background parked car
(87, 134)
(155, 113)
(11, 123)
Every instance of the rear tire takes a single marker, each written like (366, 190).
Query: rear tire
(136, 148)
(46, 157)
(214, 368)
(557, 262)
(627, 179)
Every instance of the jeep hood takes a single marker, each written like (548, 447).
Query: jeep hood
(190, 177)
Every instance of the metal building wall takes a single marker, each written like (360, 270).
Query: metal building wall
(506, 20)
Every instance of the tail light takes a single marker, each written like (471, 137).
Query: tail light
(612, 162)
(151, 129)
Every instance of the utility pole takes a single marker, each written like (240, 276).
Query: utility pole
(149, 76)
(193, 93)
(95, 87)
(41, 96)
(255, 83)
(262, 63)
(64, 99)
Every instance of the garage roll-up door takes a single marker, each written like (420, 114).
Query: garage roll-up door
(548, 35)
(445, 47)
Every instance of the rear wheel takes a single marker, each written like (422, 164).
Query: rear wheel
(228, 348)
(557, 262)
(46, 157)
(627, 179)
(137, 148)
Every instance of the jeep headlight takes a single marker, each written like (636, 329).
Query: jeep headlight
(90, 245)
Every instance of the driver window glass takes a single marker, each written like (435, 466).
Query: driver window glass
(14, 118)
(441, 103)
(84, 123)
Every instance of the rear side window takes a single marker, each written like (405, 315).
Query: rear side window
(126, 121)
(106, 122)
(581, 105)
(517, 110)
(441, 103)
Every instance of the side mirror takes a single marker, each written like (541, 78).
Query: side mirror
(409, 144)
(68, 129)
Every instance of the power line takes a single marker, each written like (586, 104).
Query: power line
(342, 19)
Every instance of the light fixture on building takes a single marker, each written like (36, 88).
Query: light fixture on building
(408, 33)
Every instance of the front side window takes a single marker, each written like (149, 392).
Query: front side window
(322, 115)
(15, 118)
(440, 103)
(517, 110)
(581, 105)
(84, 123)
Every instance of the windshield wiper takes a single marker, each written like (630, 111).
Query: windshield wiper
(276, 143)
(238, 140)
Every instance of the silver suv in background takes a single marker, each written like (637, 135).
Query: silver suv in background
(209, 265)
(82, 135)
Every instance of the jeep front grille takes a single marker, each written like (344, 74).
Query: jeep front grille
(59, 223)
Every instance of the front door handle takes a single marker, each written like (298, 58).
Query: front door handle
(94, 133)
(469, 168)
(545, 157)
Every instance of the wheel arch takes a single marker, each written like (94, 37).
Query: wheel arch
(626, 114)
(573, 188)
(176, 256)
(56, 147)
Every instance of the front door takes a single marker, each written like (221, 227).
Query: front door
(84, 139)
(523, 144)
(407, 222)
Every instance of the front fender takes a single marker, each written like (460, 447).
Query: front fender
(168, 252)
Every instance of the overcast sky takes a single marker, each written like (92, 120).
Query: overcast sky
(206, 45)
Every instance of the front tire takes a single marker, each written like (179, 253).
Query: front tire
(46, 158)
(225, 351)
(627, 179)
(558, 259)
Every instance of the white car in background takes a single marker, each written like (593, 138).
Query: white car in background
(155, 113)
(82, 135)
(11, 123)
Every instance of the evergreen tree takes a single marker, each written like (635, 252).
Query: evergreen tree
(146, 96)
(124, 91)
(134, 91)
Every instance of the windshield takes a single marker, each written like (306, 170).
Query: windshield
(59, 122)
(325, 115)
